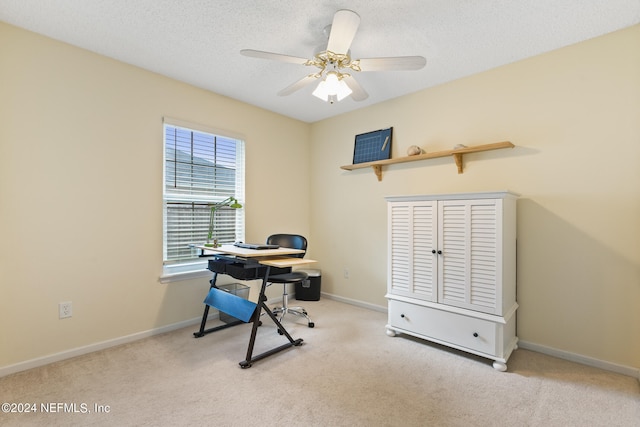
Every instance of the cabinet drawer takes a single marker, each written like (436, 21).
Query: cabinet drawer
(443, 326)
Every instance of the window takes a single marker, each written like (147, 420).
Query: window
(200, 168)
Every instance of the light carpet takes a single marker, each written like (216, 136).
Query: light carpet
(347, 373)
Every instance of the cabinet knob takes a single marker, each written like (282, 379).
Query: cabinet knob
(402, 315)
(439, 252)
(433, 251)
(475, 334)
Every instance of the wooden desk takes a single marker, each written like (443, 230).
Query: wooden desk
(251, 253)
(250, 264)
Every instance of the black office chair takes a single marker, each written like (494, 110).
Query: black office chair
(289, 279)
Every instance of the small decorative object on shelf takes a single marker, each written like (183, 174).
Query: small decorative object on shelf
(414, 150)
(231, 202)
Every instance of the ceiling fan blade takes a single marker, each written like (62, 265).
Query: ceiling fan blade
(357, 92)
(298, 85)
(275, 56)
(392, 63)
(343, 29)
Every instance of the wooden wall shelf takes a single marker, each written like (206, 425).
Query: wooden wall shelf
(456, 153)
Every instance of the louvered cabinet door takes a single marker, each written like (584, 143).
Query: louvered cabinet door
(469, 264)
(412, 240)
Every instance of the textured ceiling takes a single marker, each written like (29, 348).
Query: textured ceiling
(198, 41)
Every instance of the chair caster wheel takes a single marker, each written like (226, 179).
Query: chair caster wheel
(311, 324)
(260, 323)
(280, 332)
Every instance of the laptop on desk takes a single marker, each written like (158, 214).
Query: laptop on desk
(257, 246)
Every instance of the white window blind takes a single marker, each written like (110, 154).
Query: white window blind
(200, 169)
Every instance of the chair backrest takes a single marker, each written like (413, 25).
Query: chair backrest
(294, 241)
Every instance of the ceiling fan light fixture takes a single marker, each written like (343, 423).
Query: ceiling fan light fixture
(321, 91)
(332, 88)
(343, 90)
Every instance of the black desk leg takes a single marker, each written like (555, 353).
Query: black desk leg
(256, 322)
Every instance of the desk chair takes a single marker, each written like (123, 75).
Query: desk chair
(288, 279)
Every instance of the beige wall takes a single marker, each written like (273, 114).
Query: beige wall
(574, 116)
(81, 193)
(79, 128)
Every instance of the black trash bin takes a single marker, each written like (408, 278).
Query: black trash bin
(309, 290)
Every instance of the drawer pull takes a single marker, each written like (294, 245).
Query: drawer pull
(402, 315)
(475, 334)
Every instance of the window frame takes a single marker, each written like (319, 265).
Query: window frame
(194, 267)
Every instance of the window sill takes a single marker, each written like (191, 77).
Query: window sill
(179, 273)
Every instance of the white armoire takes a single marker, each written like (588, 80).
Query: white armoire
(452, 271)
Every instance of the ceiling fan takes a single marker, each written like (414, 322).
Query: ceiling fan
(335, 63)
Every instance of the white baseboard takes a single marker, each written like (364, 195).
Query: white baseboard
(357, 303)
(41, 361)
(560, 354)
(578, 358)
(79, 351)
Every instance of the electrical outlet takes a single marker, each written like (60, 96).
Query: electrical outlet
(64, 309)
(346, 273)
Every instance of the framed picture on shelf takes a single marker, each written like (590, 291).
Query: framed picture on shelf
(372, 146)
